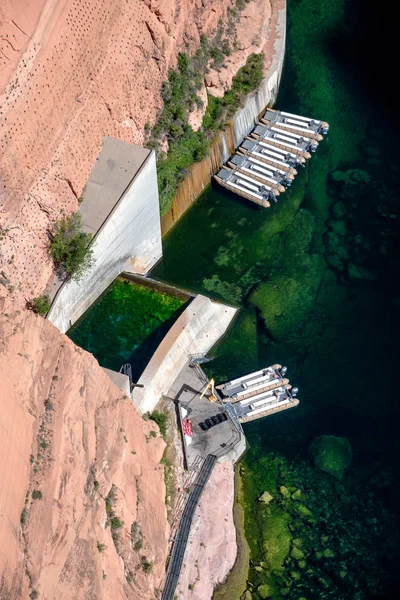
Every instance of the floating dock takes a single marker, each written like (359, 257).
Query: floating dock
(258, 394)
(265, 163)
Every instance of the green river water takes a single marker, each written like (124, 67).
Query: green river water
(315, 279)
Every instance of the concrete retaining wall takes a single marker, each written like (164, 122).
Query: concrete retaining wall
(198, 328)
(129, 239)
(223, 147)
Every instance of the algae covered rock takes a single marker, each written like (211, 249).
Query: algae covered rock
(266, 497)
(297, 553)
(332, 454)
(284, 491)
(276, 538)
(264, 591)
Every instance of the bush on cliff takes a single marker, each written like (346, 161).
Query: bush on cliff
(40, 305)
(70, 247)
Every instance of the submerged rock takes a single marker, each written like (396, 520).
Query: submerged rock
(332, 454)
(284, 491)
(266, 498)
(264, 591)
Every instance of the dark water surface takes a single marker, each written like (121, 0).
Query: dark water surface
(315, 277)
(126, 324)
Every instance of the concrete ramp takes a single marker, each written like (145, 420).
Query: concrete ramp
(198, 328)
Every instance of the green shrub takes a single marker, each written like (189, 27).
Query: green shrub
(138, 545)
(70, 247)
(37, 495)
(331, 453)
(218, 56)
(23, 516)
(147, 566)
(116, 523)
(162, 421)
(40, 305)
(101, 547)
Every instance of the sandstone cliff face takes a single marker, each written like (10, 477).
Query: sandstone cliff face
(68, 433)
(70, 73)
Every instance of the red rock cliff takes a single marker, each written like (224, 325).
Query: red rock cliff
(68, 434)
(72, 72)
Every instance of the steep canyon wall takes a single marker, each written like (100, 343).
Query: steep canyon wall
(70, 73)
(68, 435)
(243, 122)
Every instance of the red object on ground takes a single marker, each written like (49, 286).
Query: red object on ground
(187, 427)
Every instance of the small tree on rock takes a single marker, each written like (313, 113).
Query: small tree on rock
(70, 247)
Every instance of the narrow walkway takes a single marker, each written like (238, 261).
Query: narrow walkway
(178, 551)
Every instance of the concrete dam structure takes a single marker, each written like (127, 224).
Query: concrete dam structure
(198, 328)
(120, 208)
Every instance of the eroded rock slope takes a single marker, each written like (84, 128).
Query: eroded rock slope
(82, 497)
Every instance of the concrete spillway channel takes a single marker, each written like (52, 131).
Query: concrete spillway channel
(265, 163)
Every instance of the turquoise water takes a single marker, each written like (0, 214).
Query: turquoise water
(126, 325)
(315, 277)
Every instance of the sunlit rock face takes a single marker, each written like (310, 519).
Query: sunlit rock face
(83, 494)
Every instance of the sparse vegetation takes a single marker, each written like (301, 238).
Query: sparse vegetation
(147, 566)
(179, 94)
(70, 247)
(37, 495)
(48, 404)
(40, 305)
(130, 578)
(162, 421)
(116, 523)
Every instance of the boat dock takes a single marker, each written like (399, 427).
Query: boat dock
(210, 419)
(259, 394)
(265, 163)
